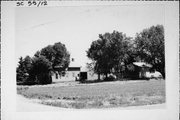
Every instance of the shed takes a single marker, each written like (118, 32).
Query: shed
(142, 68)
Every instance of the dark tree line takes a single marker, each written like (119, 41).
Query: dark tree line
(110, 53)
(115, 52)
(38, 69)
(150, 47)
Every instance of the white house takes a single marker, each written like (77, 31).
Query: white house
(71, 73)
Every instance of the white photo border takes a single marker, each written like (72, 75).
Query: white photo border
(8, 76)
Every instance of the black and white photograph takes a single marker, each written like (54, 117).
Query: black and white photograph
(92, 57)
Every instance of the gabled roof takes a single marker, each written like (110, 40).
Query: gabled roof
(74, 64)
(84, 69)
(58, 66)
(142, 64)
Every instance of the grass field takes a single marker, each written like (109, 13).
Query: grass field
(99, 95)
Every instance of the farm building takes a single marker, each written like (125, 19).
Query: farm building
(139, 70)
(71, 73)
(90, 75)
(144, 71)
(73, 70)
(142, 68)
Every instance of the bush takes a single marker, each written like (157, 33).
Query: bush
(33, 71)
(22, 71)
(41, 71)
(110, 78)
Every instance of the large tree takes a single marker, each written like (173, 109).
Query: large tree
(150, 47)
(20, 71)
(57, 54)
(23, 69)
(110, 52)
(62, 56)
(40, 72)
(37, 70)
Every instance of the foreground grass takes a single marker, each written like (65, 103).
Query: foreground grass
(99, 95)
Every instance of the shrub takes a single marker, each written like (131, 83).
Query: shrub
(33, 71)
(23, 69)
(41, 71)
(110, 78)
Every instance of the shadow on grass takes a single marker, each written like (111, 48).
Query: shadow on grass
(94, 81)
(107, 80)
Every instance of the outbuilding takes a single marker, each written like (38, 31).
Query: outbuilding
(141, 68)
(70, 74)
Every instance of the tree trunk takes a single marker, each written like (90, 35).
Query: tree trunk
(106, 75)
(163, 73)
(98, 76)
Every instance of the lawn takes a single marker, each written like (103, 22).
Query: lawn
(98, 95)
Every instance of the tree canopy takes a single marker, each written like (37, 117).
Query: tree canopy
(57, 54)
(23, 68)
(38, 69)
(150, 47)
(115, 52)
(110, 52)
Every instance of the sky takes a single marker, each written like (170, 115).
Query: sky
(78, 26)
